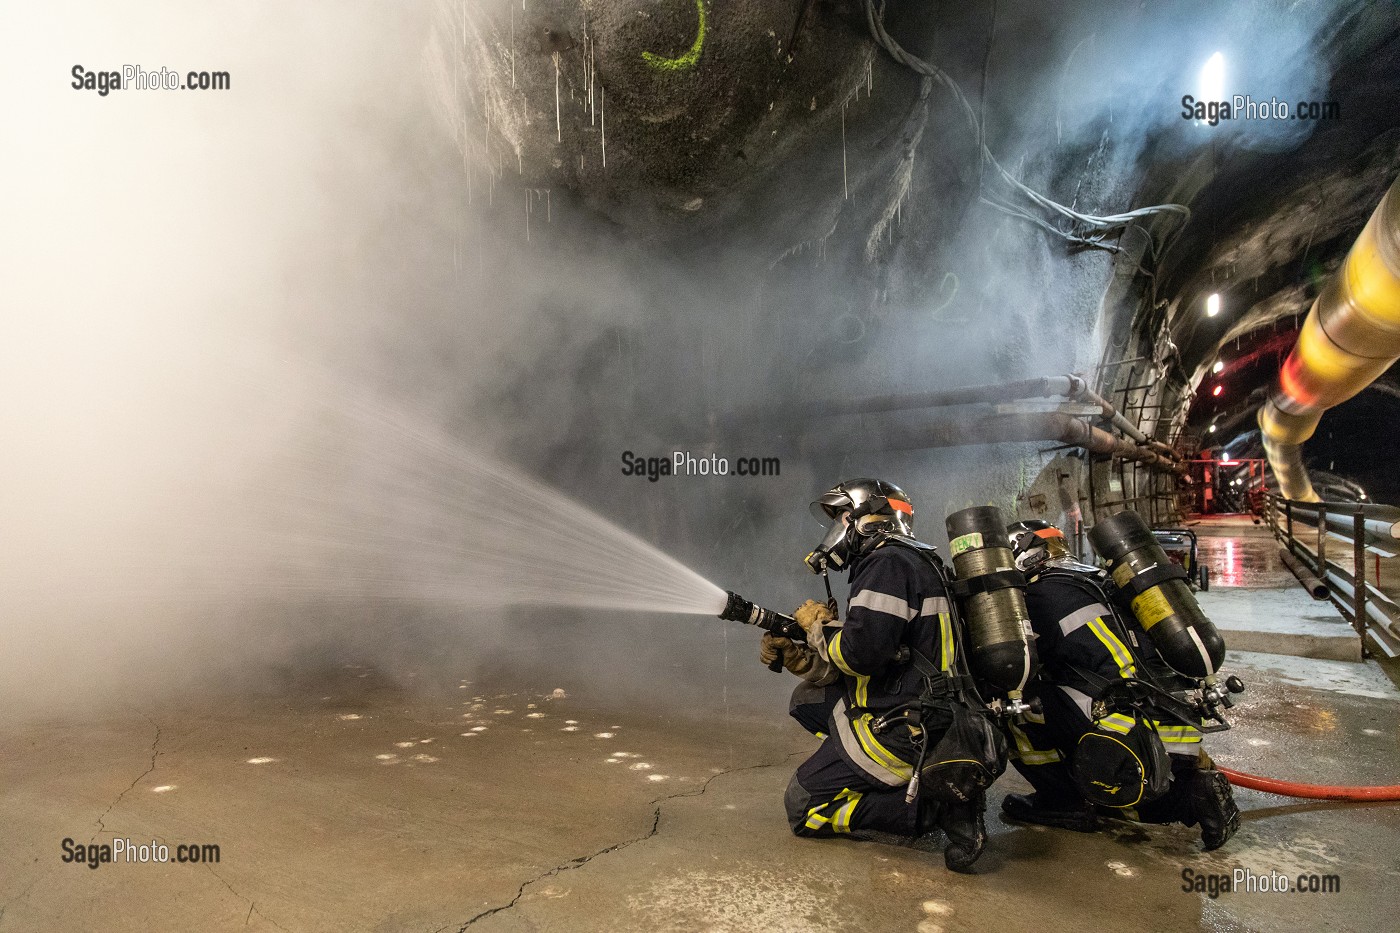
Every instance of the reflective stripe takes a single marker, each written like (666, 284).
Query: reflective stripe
(1028, 753)
(1121, 657)
(934, 605)
(877, 752)
(834, 649)
(883, 602)
(1116, 722)
(1080, 700)
(857, 754)
(814, 819)
(1080, 617)
(841, 821)
(945, 637)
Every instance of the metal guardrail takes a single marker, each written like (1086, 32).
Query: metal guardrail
(1365, 527)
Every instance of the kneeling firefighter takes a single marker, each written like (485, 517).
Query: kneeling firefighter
(1142, 762)
(904, 751)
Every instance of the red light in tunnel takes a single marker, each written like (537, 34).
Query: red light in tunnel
(1217, 390)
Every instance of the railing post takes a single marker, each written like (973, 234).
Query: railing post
(1288, 524)
(1322, 539)
(1358, 540)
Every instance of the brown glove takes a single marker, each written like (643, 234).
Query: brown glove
(811, 615)
(796, 658)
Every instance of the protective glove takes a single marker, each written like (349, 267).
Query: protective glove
(811, 615)
(796, 658)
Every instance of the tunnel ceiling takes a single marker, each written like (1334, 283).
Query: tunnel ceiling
(784, 127)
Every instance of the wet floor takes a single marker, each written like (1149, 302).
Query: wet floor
(352, 807)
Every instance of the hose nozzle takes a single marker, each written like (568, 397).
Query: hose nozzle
(739, 609)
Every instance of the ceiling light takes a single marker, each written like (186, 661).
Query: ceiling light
(1212, 305)
(1213, 79)
(1217, 390)
(1212, 429)
(1218, 367)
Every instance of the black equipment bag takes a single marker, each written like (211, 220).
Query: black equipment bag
(971, 754)
(1122, 770)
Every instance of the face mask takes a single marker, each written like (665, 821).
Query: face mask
(834, 550)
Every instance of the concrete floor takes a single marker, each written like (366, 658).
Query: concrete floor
(349, 804)
(376, 812)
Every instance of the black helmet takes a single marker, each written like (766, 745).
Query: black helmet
(1033, 542)
(860, 512)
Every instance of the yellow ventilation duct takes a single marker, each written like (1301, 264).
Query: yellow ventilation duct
(1351, 336)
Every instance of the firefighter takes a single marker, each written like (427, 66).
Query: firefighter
(859, 672)
(1084, 646)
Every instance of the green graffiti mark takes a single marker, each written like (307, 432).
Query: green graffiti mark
(687, 60)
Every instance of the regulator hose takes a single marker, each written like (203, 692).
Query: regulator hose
(1310, 791)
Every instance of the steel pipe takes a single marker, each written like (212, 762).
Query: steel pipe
(1315, 587)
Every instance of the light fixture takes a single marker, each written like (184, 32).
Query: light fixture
(1218, 367)
(1212, 429)
(1213, 79)
(1217, 390)
(1224, 458)
(1212, 305)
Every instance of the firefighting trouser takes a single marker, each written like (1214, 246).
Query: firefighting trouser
(1043, 752)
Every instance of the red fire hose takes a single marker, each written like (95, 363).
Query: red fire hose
(1311, 791)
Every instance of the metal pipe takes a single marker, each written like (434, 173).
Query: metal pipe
(1031, 426)
(1378, 607)
(1315, 587)
(1351, 336)
(1045, 387)
(1072, 386)
(1380, 523)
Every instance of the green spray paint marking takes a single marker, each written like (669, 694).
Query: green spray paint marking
(687, 60)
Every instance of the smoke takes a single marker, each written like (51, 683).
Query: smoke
(276, 358)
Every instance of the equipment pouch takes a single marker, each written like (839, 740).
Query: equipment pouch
(1122, 769)
(970, 755)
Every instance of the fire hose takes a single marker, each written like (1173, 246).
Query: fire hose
(1310, 791)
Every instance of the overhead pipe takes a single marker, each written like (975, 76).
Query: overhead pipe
(1072, 386)
(1025, 426)
(1351, 336)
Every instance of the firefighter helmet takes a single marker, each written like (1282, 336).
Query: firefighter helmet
(859, 513)
(1033, 542)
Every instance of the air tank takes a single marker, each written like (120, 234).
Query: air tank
(1161, 600)
(992, 594)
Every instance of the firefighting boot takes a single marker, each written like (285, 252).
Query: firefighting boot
(966, 830)
(1033, 808)
(1213, 806)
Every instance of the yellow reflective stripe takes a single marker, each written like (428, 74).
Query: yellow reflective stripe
(945, 630)
(1116, 722)
(821, 735)
(815, 820)
(1121, 657)
(862, 689)
(833, 649)
(1028, 753)
(877, 752)
(841, 822)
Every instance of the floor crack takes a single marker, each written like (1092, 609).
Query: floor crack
(252, 907)
(155, 753)
(579, 862)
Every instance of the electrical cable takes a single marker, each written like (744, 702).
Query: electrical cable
(1088, 230)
